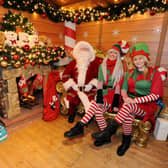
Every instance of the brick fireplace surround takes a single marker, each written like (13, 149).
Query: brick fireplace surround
(13, 108)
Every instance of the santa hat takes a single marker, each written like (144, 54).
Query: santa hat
(140, 49)
(121, 47)
(163, 72)
(83, 45)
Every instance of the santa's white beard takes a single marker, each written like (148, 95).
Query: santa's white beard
(82, 67)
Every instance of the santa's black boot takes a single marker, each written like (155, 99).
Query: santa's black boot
(107, 132)
(77, 130)
(126, 141)
(71, 117)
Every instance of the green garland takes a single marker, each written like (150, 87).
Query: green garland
(112, 12)
(12, 20)
(15, 57)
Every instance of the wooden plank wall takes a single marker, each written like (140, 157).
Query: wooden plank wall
(139, 28)
(89, 32)
(54, 31)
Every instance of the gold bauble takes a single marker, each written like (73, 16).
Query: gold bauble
(4, 64)
(17, 64)
(40, 60)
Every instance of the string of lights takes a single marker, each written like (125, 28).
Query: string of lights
(110, 13)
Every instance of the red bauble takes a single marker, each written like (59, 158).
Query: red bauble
(16, 57)
(26, 47)
(27, 3)
(33, 63)
(101, 17)
(75, 20)
(55, 48)
(44, 15)
(5, 58)
(2, 2)
(152, 13)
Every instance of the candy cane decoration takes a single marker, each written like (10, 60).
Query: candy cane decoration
(70, 36)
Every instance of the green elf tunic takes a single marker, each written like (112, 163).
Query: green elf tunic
(144, 91)
(108, 89)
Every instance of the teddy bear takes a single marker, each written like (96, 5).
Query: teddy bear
(11, 38)
(34, 40)
(23, 39)
(45, 41)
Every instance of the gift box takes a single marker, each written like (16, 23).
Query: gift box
(161, 129)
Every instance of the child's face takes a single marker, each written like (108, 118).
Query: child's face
(113, 55)
(139, 61)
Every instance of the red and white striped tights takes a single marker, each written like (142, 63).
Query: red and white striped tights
(128, 112)
(98, 112)
(125, 116)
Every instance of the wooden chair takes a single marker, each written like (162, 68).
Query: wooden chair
(141, 130)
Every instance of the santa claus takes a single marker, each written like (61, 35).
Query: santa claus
(80, 78)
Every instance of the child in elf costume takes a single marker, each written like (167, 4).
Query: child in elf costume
(141, 89)
(110, 78)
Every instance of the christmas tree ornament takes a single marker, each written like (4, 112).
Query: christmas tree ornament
(4, 64)
(152, 13)
(163, 73)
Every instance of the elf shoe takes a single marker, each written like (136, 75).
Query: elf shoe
(126, 141)
(77, 130)
(107, 132)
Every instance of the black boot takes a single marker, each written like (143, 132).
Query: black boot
(102, 142)
(71, 117)
(126, 141)
(77, 130)
(107, 132)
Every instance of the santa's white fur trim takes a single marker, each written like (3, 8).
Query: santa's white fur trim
(66, 102)
(83, 44)
(69, 83)
(84, 99)
(94, 82)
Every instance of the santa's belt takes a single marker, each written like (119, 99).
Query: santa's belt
(107, 87)
(81, 88)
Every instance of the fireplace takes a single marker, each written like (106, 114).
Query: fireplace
(13, 108)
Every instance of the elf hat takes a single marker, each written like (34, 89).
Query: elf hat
(140, 49)
(163, 72)
(83, 45)
(122, 47)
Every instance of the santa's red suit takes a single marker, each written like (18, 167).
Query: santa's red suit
(81, 83)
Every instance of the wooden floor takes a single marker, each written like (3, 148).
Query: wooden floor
(41, 144)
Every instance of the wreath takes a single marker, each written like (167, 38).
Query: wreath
(13, 21)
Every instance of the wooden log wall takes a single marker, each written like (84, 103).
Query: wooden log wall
(139, 28)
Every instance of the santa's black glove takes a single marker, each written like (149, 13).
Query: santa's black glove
(116, 100)
(99, 98)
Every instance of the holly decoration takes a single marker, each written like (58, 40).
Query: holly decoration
(11, 22)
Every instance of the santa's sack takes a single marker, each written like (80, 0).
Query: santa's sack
(51, 100)
(3, 134)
